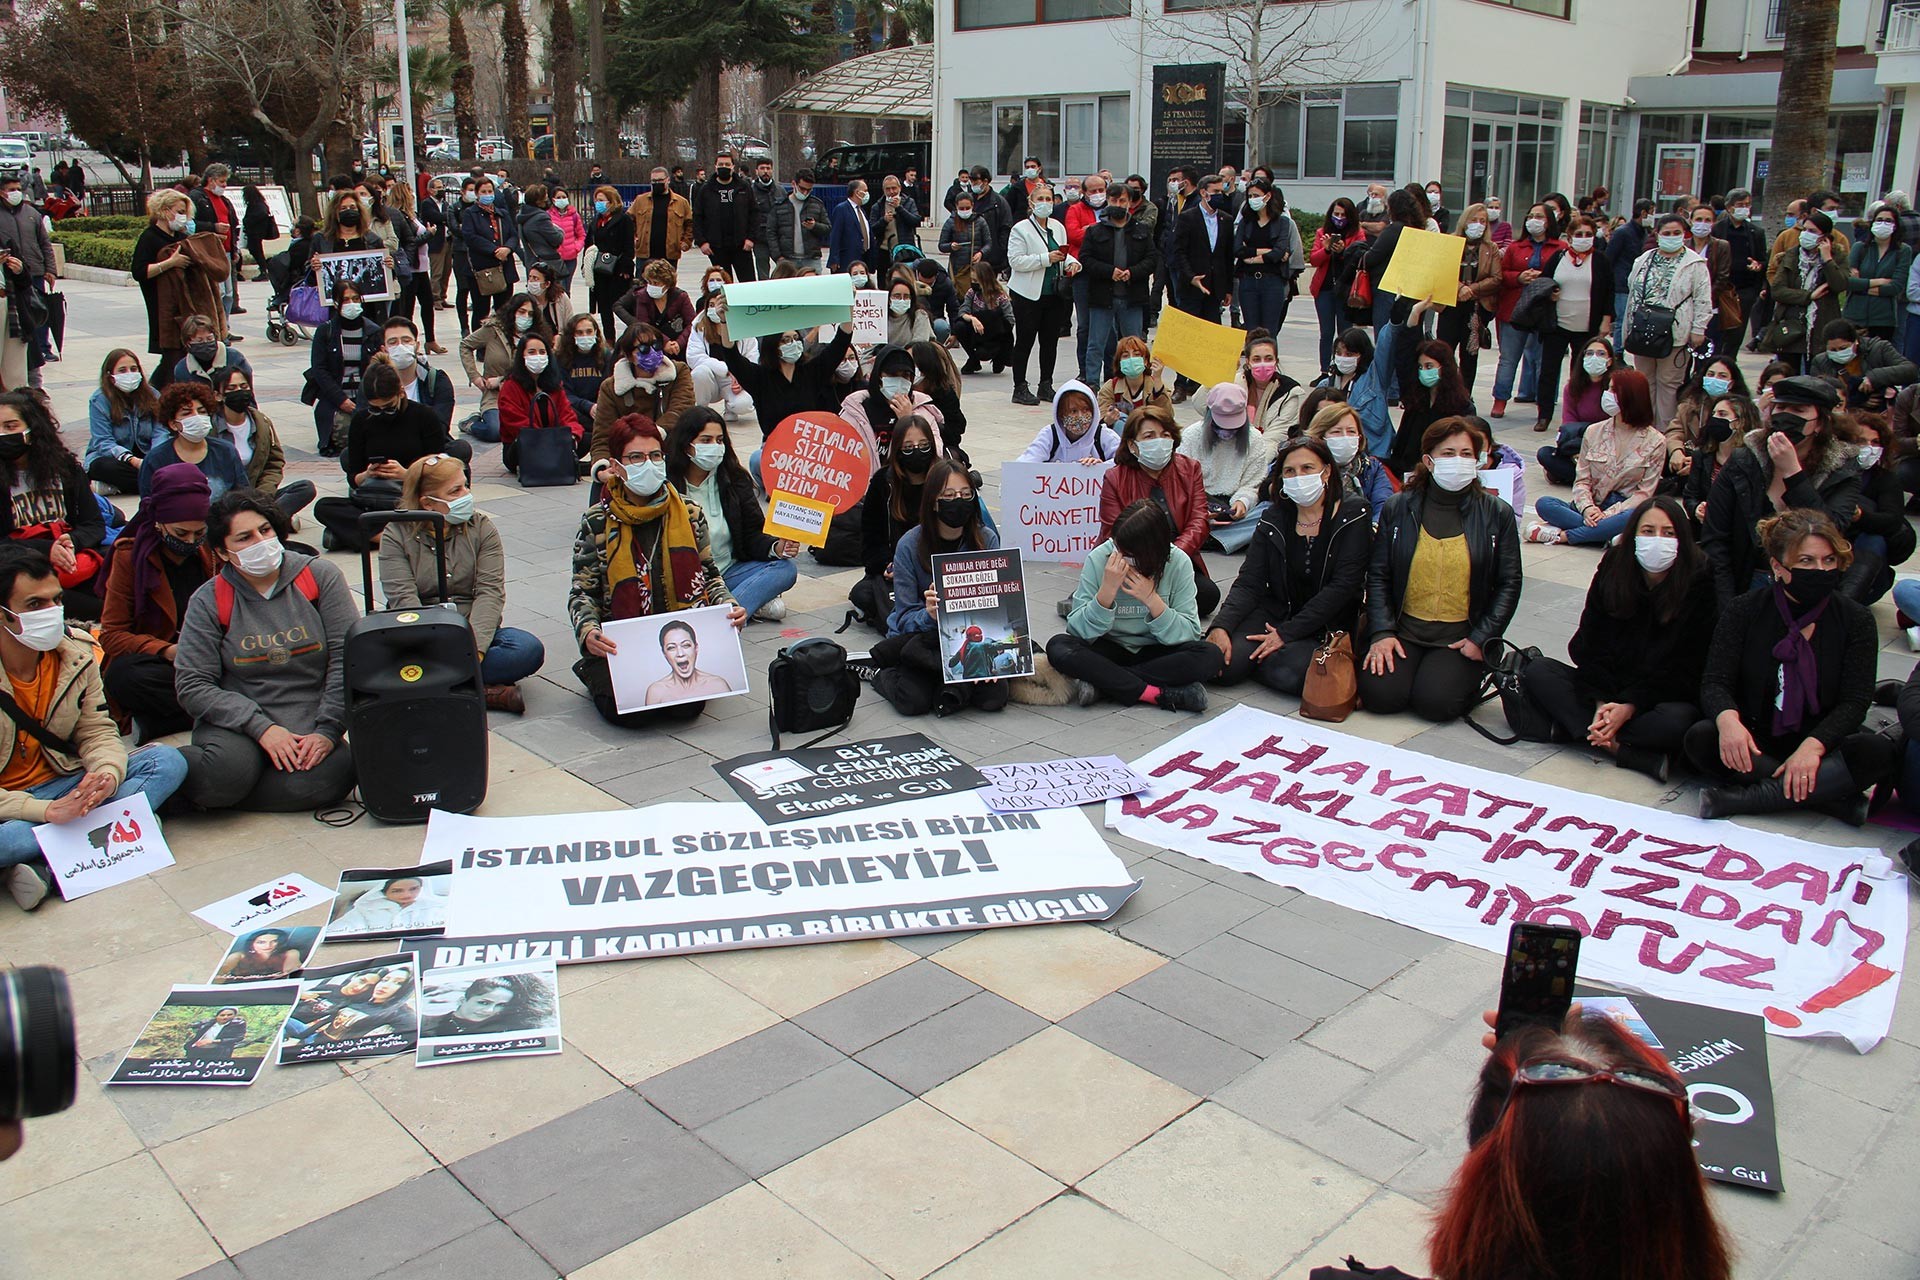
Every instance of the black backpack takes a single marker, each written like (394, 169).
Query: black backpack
(810, 687)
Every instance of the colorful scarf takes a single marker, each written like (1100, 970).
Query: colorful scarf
(673, 574)
(1799, 671)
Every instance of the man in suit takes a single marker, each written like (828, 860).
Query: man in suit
(1203, 244)
(851, 239)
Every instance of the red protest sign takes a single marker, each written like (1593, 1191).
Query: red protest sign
(820, 456)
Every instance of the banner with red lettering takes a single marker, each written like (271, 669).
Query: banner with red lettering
(1808, 936)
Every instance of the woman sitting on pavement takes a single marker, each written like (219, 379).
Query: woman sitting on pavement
(476, 574)
(645, 381)
(1273, 399)
(46, 501)
(1133, 630)
(585, 359)
(1633, 687)
(1619, 467)
(757, 567)
(1073, 435)
(187, 410)
(1580, 408)
(534, 398)
(910, 658)
(1305, 566)
(1135, 382)
(1443, 584)
(642, 549)
(260, 669)
(787, 378)
(1146, 466)
(888, 398)
(1717, 377)
(1361, 475)
(889, 509)
(487, 355)
(712, 384)
(1233, 460)
(658, 301)
(253, 436)
(1882, 536)
(123, 422)
(1723, 433)
(159, 560)
(1788, 681)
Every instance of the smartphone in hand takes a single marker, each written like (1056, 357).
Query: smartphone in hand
(1536, 984)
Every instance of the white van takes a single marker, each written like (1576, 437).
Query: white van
(16, 157)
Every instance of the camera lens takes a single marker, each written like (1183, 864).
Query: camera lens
(39, 1064)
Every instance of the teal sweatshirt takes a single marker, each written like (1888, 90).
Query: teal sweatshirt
(1127, 622)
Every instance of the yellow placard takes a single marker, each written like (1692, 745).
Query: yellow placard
(1204, 351)
(1425, 264)
(801, 519)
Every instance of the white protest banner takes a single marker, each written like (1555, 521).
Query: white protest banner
(114, 843)
(1051, 510)
(1807, 936)
(870, 316)
(685, 877)
(248, 909)
(1058, 784)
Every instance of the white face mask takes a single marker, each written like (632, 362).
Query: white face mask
(1609, 403)
(1742, 213)
(260, 558)
(846, 369)
(1343, 448)
(585, 342)
(1870, 455)
(1841, 355)
(1475, 230)
(1433, 198)
(1454, 474)
(1595, 365)
(402, 354)
(536, 365)
(656, 291)
(1256, 203)
(1581, 244)
(1882, 230)
(894, 388)
(559, 202)
(859, 279)
(350, 310)
(1493, 211)
(1304, 491)
(42, 630)
(1536, 227)
(1345, 365)
(792, 351)
(522, 323)
(644, 478)
(899, 306)
(196, 427)
(1701, 230)
(1155, 453)
(459, 510)
(1375, 204)
(1655, 554)
(15, 197)
(1097, 199)
(128, 382)
(708, 455)
(1042, 209)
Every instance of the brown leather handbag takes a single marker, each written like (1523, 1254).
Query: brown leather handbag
(1332, 687)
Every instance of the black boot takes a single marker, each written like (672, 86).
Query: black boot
(1836, 794)
(1046, 391)
(1022, 394)
(1654, 764)
(1858, 581)
(1769, 796)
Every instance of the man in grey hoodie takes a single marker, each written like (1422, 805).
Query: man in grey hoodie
(260, 668)
(26, 251)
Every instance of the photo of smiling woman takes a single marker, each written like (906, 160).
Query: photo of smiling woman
(499, 1010)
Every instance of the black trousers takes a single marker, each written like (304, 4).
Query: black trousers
(1554, 345)
(738, 261)
(1206, 596)
(1122, 674)
(992, 345)
(418, 287)
(115, 473)
(1559, 691)
(228, 770)
(1285, 671)
(141, 684)
(1863, 760)
(592, 672)
(910, 678)
(1437, 684)
(1044, 320)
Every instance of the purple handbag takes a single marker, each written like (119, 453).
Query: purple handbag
(304, 306)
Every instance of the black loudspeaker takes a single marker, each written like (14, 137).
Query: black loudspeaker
(416, 710)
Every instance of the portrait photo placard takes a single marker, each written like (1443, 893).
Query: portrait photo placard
(209, 1035)
(359, 1009)
(377, 903)
(666, 658)
(506, 1010)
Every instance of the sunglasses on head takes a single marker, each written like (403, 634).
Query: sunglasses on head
(1558, 1071)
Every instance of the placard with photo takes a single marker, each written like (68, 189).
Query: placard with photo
(377, 903)
(209, 1035)
(366, 269)
(982, 616)
(266, 955)
(692, 655)
(360, 1009)
(506, 1010)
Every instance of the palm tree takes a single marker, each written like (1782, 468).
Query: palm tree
(513, 50)
(563, 61)
(430, 72)
(1799, 163)
(466, 116)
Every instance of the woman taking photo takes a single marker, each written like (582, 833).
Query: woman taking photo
(417, 286)
(159, 561)
(48, 503)
(534, 397)
(188, 410)
(1582, 307)
(1443, 583)
(1619, 467)
(757, 567)
(910, 658)
(123, 423)
(1133, 629)
(610, 233)
(1339, 250)
(1788, 681)
(1809, 285)
(254, 437)
(711, 381)
(1672, 276)
(492, 242)
(1264, 252)
(476, 574)
(642, 549)
(1363, 477)
(1467, 326)
(1633, 688)
(487, 354)
(338, 360)
(1148, 467)
(1302, 576)
(268, 736)
(1135, 382)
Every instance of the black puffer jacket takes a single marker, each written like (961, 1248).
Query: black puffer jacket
(1262, 581)
(1738, 502)
(1493, 557)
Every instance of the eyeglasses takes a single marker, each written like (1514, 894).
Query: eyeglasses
(1551, 1071)
(636, 458)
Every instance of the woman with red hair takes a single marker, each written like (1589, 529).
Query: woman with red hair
(1619, 465)
(642, 549)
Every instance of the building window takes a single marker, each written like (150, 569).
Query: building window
(1341, 134)
(1069, 135)
(974, 15)
(1777, 19)
(1546, 8)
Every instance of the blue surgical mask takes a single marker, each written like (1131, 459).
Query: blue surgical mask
(708, 456)
(792, 351)
(486, 197)
(1715, 386)
(1155, 453)
(1672, 244)
(1792, 221)
(459, 510)
(1430, 377)
(892, 388)
(599, 206)
(1133, 366)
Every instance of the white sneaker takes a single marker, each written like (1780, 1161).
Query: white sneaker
(774, 610)
(1542, 533)
(28, 887)
(1913, 638)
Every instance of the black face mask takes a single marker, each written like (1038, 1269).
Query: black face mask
(1793, 428)
(13, 447)
(203, 351)
(723, 175)
(181, 546)
(917, 460)
(1717, 430)
(659, 188)
(1810, 586)
(955, 512)
(350, 217)
(239, 401)
(1117, 215)
(1219, 201)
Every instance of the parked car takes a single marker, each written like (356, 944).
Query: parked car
(16, 157)
(495, 148)
(873, 161)
(443, 151)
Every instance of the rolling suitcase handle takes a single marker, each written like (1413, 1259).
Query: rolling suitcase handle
(371, 522)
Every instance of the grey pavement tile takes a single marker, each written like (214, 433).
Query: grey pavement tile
(926, 944)
(1171, 1049)
(1456, 743)
(1218, 1008)
(1454, 981)
(1360, 924)
(1369, 1149)
(952, 1041)
(612, 1141)
(1764, 1225)
(375, 1236)
(806, 1115)
(1266, 891)
(1160, 885)
(1192, 919)
(1377, 1031)
(889, 1004)
(1420, 1099)
(1829, 1130)
(493, 1252)
(1274, 977)
(701, 1091)
(1832, 1249)
(221, 1270)
(1294, 1089)
(1328, 948)
(159, 1116)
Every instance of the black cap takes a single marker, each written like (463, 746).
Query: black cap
(1805, 389)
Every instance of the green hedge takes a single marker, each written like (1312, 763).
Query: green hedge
(1308, 222)
(109, 225)
(114, 252)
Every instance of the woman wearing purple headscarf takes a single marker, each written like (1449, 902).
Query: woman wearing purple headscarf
(159, 561)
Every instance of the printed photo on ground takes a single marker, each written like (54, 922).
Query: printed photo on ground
(375, 903)
(360, 1009)
(267, 955)
(502, 1010)
(209, 1035)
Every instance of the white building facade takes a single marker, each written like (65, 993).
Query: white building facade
(1514, 98)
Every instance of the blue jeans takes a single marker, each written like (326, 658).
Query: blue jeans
(1620, 323)
(755, 582)
(1233, 538)
(1080, 331)
(1263, 301)
(484, 427)
(1105, 327)
(1561, 514)
(512, 657)
(156, 772)
(1906, 598)
(1513, 346)
(1332, 310)
(1382, 313)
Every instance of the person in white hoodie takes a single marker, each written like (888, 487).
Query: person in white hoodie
(1075, 434)
(1233, 464)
